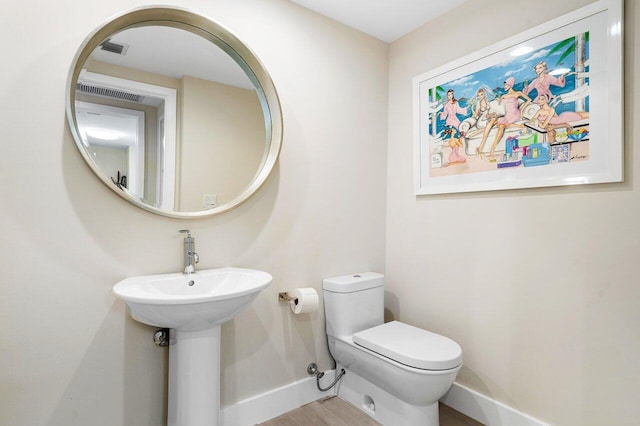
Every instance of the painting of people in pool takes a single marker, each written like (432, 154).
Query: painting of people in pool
(531, 110)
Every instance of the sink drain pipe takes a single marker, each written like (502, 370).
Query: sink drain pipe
(164, 337)
(313, 369)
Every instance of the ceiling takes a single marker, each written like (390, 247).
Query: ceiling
(173, 52)
(387, 20)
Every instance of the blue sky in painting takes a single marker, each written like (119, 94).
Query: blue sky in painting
(519, 67)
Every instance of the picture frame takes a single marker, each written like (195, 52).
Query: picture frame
(501, 119)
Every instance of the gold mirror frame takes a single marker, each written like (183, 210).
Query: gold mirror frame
(221, 37)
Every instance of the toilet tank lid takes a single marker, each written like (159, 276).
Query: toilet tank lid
(411, 346)
(353, 282)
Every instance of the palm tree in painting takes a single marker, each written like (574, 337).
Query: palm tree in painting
(436, 94)
(577, 45)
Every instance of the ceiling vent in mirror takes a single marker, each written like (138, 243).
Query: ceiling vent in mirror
(109, 93)
(117, 48)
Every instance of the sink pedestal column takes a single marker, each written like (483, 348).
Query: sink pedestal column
(194, 377)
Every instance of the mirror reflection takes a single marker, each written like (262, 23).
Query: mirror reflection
(170, 118)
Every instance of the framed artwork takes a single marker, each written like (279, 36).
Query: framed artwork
(542, 108)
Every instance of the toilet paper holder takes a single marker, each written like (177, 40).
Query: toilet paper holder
(284, 297)
(300, 300)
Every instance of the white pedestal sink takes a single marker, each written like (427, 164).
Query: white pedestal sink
(193, 306)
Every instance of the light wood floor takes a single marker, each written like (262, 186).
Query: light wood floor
(333, 411)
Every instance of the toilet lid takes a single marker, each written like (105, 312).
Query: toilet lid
(411, 346)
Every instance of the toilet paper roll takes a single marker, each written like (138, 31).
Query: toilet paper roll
(305, 300)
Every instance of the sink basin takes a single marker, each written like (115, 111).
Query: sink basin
(191, 302)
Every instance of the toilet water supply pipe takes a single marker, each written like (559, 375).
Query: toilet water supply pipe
(313, 369)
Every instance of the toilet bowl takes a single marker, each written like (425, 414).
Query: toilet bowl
(396, 373)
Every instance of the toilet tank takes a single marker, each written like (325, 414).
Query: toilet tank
(353, 303)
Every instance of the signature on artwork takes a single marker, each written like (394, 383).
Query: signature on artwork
(579, 157)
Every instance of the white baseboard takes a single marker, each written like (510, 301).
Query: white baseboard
(486, 410)
(274, 403)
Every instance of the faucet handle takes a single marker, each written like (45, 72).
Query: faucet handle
(185, 231)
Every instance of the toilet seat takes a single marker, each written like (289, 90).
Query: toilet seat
(411, 346)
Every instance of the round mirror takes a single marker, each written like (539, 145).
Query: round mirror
(173, 112)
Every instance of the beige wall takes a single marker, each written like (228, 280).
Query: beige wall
(69, 353)
(223, 138)
(559, 342)
(560, 345)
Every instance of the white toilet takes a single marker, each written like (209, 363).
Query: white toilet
(395, 372)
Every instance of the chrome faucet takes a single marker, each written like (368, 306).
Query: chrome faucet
(190, 255)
